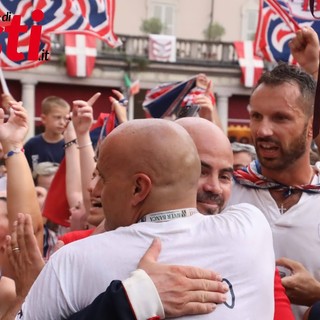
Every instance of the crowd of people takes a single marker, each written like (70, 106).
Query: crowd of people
(166, 219)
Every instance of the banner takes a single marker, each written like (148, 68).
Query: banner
(250, 64)
(81, 54)
(162, 48)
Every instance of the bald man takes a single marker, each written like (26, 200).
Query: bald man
(215, 182)
(148, 176)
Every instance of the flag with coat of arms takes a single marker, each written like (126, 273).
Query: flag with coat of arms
(80, 50)
(250, 64)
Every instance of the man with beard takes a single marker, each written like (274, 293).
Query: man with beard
(213, 192)
(282, 183)
(152, 195)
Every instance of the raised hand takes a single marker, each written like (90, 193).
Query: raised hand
(119, 105)
(82, 114)
(24, 254)
(5, 101)
(207, 110)
(14, 131)
(305, 50)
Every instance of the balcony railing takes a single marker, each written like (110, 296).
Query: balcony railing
(219, 54)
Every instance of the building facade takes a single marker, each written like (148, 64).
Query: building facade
(186, 20)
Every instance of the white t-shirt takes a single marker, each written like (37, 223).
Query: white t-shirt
(237, 244)
(296, 233)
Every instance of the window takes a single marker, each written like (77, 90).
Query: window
(165, 12)
(250, 13)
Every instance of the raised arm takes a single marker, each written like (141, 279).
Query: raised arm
(208, 108)
(73, 180)
(21, 194)
(82, 118)
(305, 50)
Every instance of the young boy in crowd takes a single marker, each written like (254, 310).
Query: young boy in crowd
(49, 145)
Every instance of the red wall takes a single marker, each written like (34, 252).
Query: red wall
(73, 92)
(67, 92)
(238, 109)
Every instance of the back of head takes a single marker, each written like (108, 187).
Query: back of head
(283, 73)
(162, 151)
(44, 172)
(206, 134)
(244, 147)
(51, 102)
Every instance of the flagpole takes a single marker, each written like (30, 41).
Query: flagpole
(131, 108)
(4, 85)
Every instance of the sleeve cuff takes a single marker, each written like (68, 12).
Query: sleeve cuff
(143, 296)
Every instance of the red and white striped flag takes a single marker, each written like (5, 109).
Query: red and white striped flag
(81, 54)
(162, 48)
(251, 65)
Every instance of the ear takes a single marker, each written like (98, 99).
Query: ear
(43, 118)
(142, 188)
(310, 127)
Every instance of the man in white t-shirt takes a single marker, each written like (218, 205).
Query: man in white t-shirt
(146, 193)
(282, 183)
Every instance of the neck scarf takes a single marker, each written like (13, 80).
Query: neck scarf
(251, 177)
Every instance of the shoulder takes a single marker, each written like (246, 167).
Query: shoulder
(245, 209)
(36, 139)
(245, 217)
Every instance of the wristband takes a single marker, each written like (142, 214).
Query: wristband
(123, 102)
(70, 143)
(85, 145)
(12, 152)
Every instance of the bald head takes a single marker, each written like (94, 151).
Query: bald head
(154, 156)
(200, 128)
(214, 149)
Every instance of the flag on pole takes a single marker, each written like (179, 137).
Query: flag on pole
(164, 100)
(81, 54)
(91, 17)
(277, 24)
(167, 100)
(133, 87)
(3, 81)
(250, 64)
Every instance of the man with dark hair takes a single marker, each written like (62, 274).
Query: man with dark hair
(283, 184)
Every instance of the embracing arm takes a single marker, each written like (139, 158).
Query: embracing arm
(168, 291)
